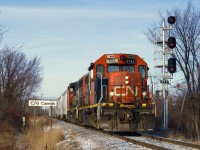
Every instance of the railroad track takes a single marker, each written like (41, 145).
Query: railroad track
(158, 143)
(149, 141)
(138, 142)
(195, 146)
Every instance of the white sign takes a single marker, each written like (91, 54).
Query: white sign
(42, 103)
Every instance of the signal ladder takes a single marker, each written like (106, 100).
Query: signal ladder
(158, 61)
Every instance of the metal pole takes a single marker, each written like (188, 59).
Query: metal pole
(181, 113)
(99, 104)
(51, 117)
(34, 115)
(164, 101)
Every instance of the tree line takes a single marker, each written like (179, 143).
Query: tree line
(20, 78)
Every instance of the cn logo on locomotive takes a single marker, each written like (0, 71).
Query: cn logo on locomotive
(127, 89)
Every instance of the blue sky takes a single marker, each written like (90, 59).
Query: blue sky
(67, 35)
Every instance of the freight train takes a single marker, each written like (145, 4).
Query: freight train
(112, 96)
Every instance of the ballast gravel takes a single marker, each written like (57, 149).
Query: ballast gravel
(80, 138)
(163, 144)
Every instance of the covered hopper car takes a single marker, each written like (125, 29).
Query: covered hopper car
(60, 111)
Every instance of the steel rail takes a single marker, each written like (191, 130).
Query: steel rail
(171, 141)
(137, 142)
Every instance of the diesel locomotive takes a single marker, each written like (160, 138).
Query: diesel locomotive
(113, 95)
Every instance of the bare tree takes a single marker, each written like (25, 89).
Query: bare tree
(19, 78)
(187, 33)
(2, 31)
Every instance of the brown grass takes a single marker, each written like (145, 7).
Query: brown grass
(197, 142)
(181, 137)
(175, 136)
(70, 143)
(7, 136)
(36, 138)
(40, 121)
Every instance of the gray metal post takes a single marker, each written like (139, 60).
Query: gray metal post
(99, 104)
(34, 115)
(51, 118)
(164, 53)
(181, 113)
(164, 100)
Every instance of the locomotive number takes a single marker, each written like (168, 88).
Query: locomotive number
(130, 61)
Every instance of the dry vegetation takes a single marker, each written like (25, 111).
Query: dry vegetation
(7, 136)
(41, 137)
(37, 137)
(71, 143)
(174, 116)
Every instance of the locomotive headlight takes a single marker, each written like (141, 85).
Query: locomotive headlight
(144, 93)
(126, 77)
(111, 93)
(126, 82)
(71, 89)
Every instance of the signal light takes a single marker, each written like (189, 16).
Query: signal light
(172, 65)
(171, 19)
(171, 42)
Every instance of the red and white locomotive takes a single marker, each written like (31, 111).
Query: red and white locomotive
(113, 95)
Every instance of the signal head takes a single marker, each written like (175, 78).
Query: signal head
(171, 42)
(172, 65)
(171, 19)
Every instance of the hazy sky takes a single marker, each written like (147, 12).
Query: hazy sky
(67, 35)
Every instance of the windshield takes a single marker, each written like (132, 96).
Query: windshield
(128, 68)
(113, 68)
(142, 70)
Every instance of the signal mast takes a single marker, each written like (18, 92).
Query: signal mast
(163, 51)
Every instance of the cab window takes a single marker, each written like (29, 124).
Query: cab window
(128, 68)
(113, 68)
(100, 69)
(142, 70)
